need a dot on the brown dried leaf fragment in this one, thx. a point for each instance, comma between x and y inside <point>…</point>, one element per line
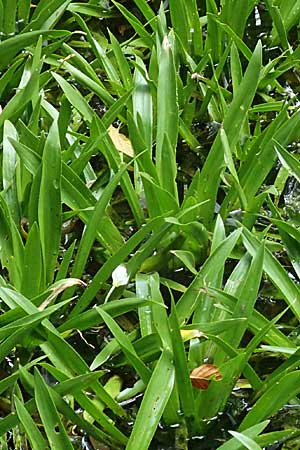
<point>201,376</point>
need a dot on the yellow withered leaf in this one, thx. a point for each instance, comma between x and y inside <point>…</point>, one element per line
<point>187,335</point>
<point>121,142</point>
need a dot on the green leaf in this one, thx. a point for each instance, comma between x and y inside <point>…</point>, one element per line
<point>49,213</point>
<point>136,25</point>
<point>33,280</point>
<point>153,404</point>
<point>142,104</point>
<point>90,232</point>
<point>47,14</point>
<point>187,303</point>
<point>167,119</point>
<point>273,399</point>
<point>287,160</point>
<point>233,121</point>
<point>182,372</point>
<point>9,171</point>
<point>34,435</point>
<point>276,272</point>
<point>246,440</point>
<point>126,346</point>
<point>75,98</point>
<point>10,47</point>
<point>54,428</point>
<point>252,432</point>
<point>247,293</point>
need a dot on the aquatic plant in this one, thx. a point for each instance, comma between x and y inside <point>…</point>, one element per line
<point>148,211</point>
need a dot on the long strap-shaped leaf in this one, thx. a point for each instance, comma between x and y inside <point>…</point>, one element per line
<point>232,124</point>
<point>188,301</point>
<point>273,399</point>
<point>49,209</point>
<point>154,402</point>
<point>54,428</point>
<point>35,436</point>
<point>276,272</point>
<point>167,119</point>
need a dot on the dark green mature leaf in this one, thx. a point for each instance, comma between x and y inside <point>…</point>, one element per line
<point>153,404</point>
<point>252,432</point>
<point>187,303</point>
<point>182,372</point>
<point>273,399</point>
<point>167,119</point>
<point>106,270</point>
<point>233,121</point>
<point>11,246</point>
<point>36,438</point>
<point>235,14</point>
<point>136,25</point>
<point>256,322</point>
<point>54,428</point>
<point>261,156</point>
<point>174,70</point>
<point>47,13</point>
<point>276,272</point>
<point>10,47</point>
<point>33,274</point>
<point>90,232</point>
<point>90,10</point>
<point>76,195</point>
<point>246,441</point>
<point>75,98</point>
<point>126,346</point>
<point>9,175</point>
<point>91,317</point>
<point>28,322</point>
<point>49,213</point>
<point>287,160</point>
<point>247,293</point>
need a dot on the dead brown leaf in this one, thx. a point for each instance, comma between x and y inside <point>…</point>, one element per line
<point>201,376</point>
<point>58,288</point>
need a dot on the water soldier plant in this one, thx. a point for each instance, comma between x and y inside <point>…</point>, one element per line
<point>149,224</point>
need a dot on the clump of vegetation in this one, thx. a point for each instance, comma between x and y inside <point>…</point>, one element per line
<point>149,224</point>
